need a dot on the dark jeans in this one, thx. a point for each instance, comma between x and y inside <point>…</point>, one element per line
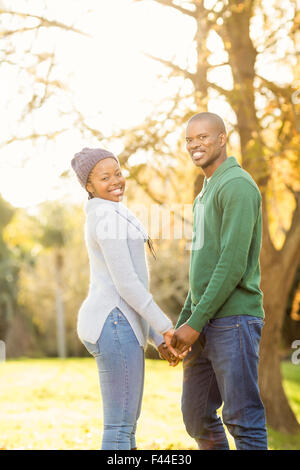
<point>222,368</point>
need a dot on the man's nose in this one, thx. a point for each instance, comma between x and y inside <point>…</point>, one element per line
<point>195,144</point>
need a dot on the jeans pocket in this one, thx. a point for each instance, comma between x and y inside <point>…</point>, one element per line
<point>93,348</point>
<point>255,329</point>
<point>224,323</point>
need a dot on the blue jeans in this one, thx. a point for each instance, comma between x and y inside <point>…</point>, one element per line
<point>222,368</point>
<point>120,362</point>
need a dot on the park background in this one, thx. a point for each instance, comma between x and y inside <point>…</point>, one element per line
<point>127,75</point>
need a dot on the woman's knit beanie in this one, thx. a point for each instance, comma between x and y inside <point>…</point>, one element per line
<point>84,161</point>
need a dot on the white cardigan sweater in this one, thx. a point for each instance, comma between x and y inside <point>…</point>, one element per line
<point>118,274</point>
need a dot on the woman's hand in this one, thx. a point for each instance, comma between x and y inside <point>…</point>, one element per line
<point>164,353</point>
<point>168,337</point>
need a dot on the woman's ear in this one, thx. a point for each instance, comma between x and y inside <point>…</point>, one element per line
<point>89,188</point>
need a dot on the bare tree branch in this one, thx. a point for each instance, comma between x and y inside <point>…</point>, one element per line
<point>81,123</point>
<point>174,67</point>
<point>192,76</point>
<point>5,34</point>
<point>218,65</point>
<point>285,91</point>
<point>47,82</point>
<point>222,91</point>
<point>44,22</point>
<point>169,3</point>
<point>135,176</point>
<point>33,136</point>
<point>291,248</point>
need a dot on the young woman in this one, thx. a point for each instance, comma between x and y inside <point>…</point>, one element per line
<point>118,315</point>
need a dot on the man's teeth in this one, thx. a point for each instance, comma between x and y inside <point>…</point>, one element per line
<point>197,154</point>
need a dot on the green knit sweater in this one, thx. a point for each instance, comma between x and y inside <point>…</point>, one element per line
<point>224,265</point>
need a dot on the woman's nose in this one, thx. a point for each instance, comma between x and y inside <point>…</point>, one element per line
<point>117,180</point>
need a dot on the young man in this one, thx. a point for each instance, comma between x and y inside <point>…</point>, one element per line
<point>223,314</point>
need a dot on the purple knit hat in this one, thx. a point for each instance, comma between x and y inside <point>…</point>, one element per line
<point>84,161</point>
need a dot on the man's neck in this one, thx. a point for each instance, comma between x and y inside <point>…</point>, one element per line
<point>208,171</point>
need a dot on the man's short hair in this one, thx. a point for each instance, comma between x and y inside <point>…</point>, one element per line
<point>216,120</point>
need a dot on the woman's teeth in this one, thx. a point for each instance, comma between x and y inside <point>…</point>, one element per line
<point>117,191</point>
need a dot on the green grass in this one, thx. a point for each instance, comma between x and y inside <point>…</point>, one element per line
<point>55,404</point>
<point>291,384</point>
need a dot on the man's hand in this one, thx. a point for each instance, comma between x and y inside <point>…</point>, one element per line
<point>164,353</point>
<point>167,337</point>
<point>183,338</point>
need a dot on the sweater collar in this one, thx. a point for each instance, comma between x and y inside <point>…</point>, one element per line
<point>230,162</point>
<point>93,203</point>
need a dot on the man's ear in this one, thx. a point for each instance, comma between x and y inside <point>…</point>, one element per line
<point>223,139</point>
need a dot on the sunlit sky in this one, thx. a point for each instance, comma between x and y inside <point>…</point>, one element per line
<point>110,80</point>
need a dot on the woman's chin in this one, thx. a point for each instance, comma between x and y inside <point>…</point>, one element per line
<point>115,198</point>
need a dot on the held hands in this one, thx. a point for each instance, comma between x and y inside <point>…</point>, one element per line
<point>164,353</point>
<point>167,351</point>
<point>183,338</point>
<point>168,338</point>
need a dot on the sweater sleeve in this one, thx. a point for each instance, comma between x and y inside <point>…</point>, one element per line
<point>155,338</point>
<point>185,312</point>
<point>111,235</point>
<point>239,202</point>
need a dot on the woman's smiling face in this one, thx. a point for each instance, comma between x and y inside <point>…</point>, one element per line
<point>106,180</point>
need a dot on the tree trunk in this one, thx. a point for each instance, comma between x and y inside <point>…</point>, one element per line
<point>6,310</point>
<point>279,413</point>
<point>276,283</point>
<point>60,323</point>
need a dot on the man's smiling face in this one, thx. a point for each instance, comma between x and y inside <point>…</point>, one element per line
<point>204,142</point>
